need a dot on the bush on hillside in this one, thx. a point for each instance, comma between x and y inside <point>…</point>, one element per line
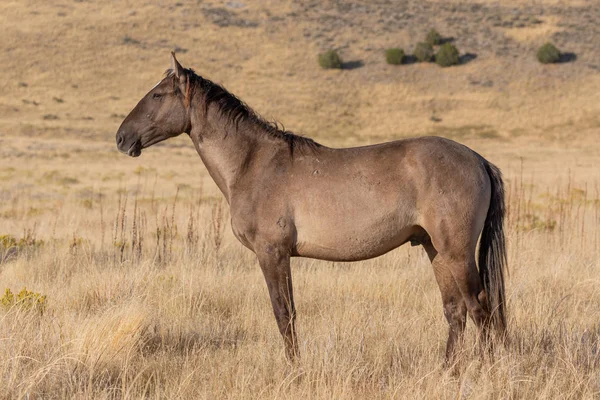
<point>447,55</point>
<point>548,54</point>
<point>330,60</point>
<point>424,52</point>
<point>394,56</point>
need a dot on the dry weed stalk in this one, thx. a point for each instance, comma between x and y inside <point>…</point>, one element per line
<point>138,230</point>
<point>166,232</point>
<point>119,241</point>
<point>217,225</point>
<point>192,237</point>
<point>102,223</point>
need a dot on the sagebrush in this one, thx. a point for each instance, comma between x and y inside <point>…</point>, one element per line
<point>423,52</point>
<point>548,54</point>
<point>330,60</point>
<point>447,55</point>
<point>394,56</point>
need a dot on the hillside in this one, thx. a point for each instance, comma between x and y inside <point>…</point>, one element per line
<point>75,68</point>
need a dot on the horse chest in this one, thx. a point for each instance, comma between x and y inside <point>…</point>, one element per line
<point>243,229</point>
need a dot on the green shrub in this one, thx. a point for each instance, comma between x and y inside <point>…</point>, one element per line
<point>394,56</point>
<point>447,55</point>
<point>28,241</point>
<point>11,247</point>
<point>330,60</point>
<point>8,241</point>
<point>424,52</point>
<point>433,38</point>
<point>25,300</point>
<point>548,54</point>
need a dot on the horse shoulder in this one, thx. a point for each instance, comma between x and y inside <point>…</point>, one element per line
<point>260,214</point>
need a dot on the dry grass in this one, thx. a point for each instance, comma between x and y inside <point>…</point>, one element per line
<point>149,295</point>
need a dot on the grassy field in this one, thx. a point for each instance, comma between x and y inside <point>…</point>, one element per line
<point>147,293</point>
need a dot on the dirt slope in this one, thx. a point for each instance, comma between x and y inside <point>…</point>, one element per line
<point>75,68</point>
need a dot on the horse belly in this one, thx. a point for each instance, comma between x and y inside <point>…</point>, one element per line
<point>351,237</point>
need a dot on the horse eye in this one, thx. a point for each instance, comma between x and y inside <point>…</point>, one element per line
<point>156,96</point>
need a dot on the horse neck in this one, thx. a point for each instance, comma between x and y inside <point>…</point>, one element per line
<point>229,149</point>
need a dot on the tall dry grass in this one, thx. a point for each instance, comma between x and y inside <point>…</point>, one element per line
<point>149,297</point>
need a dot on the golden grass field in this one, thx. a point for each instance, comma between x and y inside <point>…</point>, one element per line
<point>147,293</point>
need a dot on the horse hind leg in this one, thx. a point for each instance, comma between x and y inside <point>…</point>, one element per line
<point>455,308</point>
<point>466,277</point>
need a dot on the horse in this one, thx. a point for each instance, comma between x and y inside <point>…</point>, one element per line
<point>290,196</point>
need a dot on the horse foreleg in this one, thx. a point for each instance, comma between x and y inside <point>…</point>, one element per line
<point>275,265</point>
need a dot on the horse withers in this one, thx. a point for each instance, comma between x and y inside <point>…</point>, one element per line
<point>292,197</point>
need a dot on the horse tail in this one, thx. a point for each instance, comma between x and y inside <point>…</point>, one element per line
<point>492,250</point>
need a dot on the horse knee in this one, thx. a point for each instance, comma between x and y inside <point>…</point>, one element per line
<point>479,312</point>
<point>283,309</point>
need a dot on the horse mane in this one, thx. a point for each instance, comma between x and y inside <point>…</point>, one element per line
<point>230,106</point>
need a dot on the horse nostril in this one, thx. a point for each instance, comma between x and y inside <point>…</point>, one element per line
<point>119,139</point>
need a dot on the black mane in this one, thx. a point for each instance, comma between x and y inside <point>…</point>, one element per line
<point>237,111</point>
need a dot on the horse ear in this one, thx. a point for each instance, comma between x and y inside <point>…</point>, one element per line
<point>175,66</point>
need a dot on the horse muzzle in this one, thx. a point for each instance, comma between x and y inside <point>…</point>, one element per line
<point>130,146</point>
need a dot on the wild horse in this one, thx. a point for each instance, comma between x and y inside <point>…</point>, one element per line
<point>292,197</point>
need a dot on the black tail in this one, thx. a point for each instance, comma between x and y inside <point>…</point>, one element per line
<point>492,250</point>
